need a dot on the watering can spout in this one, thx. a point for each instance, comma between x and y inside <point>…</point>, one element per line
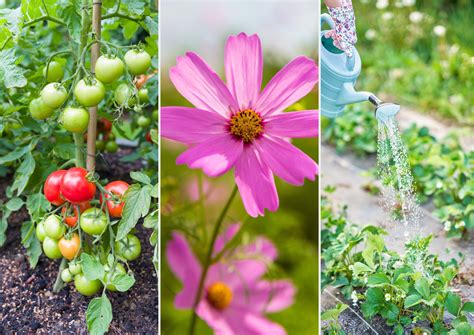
<point>349,95</point>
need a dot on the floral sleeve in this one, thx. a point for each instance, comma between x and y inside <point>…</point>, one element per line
<point>344,33</point>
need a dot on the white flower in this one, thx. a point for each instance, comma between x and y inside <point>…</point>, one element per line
<point>387,297</point>
<point>370,34</point>
<point>459,225</point>
<point>439,31</point>
<point>416,17</point>
<point>354,297</point>
<point>439,184</point>
<point>408,3</point>
<point>351,267</point>
<point>387,16</point>
<point>381,4</point>
<point>447,226</point>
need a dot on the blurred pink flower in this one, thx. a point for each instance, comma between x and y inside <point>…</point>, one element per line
<point>212,192</point>
<point>237,125</point>
<point>235,297</point>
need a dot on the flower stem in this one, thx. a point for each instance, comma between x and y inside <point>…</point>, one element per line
<point>207,261</point>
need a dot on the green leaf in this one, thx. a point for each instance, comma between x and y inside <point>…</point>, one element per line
<point>375,295</point>
<point>412,300</point>
<point>31,243</point>
<point>464,328</point>
<point>69,11</point>
<point>129,29</point>
<point>14,204</point>
<point>152,25</point>
<point>37,205</point>
<point>91,267</point>
<point>378,279</point>
<point>23,173</point>
<point>4,226</point>
<point>333,313</point>
<point>12,75</point>
<point>359,268</point>
<point>453,303</point>
<point>17,153</point>
<point>423,287</point>
<point>123,282</point>
<point>151,221</point>
<point>134,7</point>
<point>140,177</point>
<point>137,204</point>
<point>468,307</point>
<point>99,315</point>
<point>13,19</point>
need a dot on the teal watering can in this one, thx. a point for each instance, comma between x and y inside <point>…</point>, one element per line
<point>339,74</point>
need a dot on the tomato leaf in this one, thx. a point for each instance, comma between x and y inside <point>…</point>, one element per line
<point>14,204</point>
<point>31,243</point>
<point>137,204</point>
<point>91,267</point>
<point>12,75</point>
<point>140,177</point>
<point>99,315</point>
<point>23,173</point>
<point>123,282</point>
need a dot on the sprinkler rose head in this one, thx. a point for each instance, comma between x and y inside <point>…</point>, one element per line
<point>386,111</point>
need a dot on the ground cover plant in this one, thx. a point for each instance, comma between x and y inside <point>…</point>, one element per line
<point>407,290</point>
<point>443,172</point>
<point>78,83</point>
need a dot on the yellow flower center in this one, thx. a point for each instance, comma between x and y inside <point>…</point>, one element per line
<point>219,295</point>
<point>246,125</point>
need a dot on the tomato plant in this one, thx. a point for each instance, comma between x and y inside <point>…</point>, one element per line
<point>56,102</point>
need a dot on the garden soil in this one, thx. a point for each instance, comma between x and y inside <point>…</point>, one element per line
<point>28,305</point>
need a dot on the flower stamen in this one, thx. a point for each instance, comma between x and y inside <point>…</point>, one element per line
<point>219,295</point>
<point>246,125</point>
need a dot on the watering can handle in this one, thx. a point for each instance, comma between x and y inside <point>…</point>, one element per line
<point>326,18</point>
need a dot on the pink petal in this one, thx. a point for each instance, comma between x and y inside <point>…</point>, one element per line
<point>266,296</point>
<point>293,124</point>
<point>287,161</point>
<point>198,83</point>
<point>288,86</point>
<point>262,248</point>
<point>237,273</point>
<point>244,68</point>
<point>190,125</point>
<point>186,267</point>
<point>214,318</point>
<point>214,156</point>
<point>225,238</point>
<point>255,182</point>
<point>243,321</point>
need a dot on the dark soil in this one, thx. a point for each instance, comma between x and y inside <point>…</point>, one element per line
<point>28,305</point>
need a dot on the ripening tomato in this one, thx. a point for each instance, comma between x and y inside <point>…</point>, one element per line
<point>70,214</point>
<point>110,276</point>
<point>53,227</point>
<point>76,188</point>
<point>52,187</point>
<point>118,189</point>
<point>89,93</point>
<point>129,247</point>
<point>55,72</point>
<point>75,120</point>
<point>148,137</point>
<point>54,95</point>
<point>40,233</point>
<point>70,246</point>
<point>137,61</point>
<point>104,125</point>
<point>123,95</point>
<point>51,249</point>
<point>108,68</point>
<point>93,221</point>
<point>39,110</point>
<point>85,286</point>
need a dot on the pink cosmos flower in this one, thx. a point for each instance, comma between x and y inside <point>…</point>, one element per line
<point>235,297</point>
<point>236,125</point>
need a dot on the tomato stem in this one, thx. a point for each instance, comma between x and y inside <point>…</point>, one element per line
<point>59,284</point>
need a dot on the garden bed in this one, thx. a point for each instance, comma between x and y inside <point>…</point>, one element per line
<point>27,303</point>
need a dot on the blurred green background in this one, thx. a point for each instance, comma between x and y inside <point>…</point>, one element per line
<point>294,227</point>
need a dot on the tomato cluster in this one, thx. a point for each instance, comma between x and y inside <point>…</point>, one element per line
<point>60,235</point>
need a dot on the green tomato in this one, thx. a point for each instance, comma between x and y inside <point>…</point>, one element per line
<point>53,95</point>
<point>85,286</point>
<point>143,95</point>
<point>154,115</point>
<point>123,95</point>
<point>144,121</point>
<point>111,147</point>
<point>75,268</point>
<point>129,247</point>
<point>108,69</point>
<point>75,120</point>
<point>53,227</point>
<point>111,137</point>
<point>51,248</point>
<point>119,269</point>
<point>39,110</point>
<point>66,276</point>
<point>100,145</point>
<point>93,221</point>
<point>55,72</point>
<point>89,94</point>
<point>137,62</point>
<point>40,233</point>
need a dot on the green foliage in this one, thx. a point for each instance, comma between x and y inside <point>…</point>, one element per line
<point>332,315</point>
<point>402,289</point>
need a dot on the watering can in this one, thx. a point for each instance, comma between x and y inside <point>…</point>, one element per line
<point>339,74</point>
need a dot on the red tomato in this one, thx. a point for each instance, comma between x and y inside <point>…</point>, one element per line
<point>71,219</point>
<point>75,187</point>
<point>69,247</point>
<point>52,187</point>
<point>117,188</point>
<point>104,125</point>
<point>148,137</point>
